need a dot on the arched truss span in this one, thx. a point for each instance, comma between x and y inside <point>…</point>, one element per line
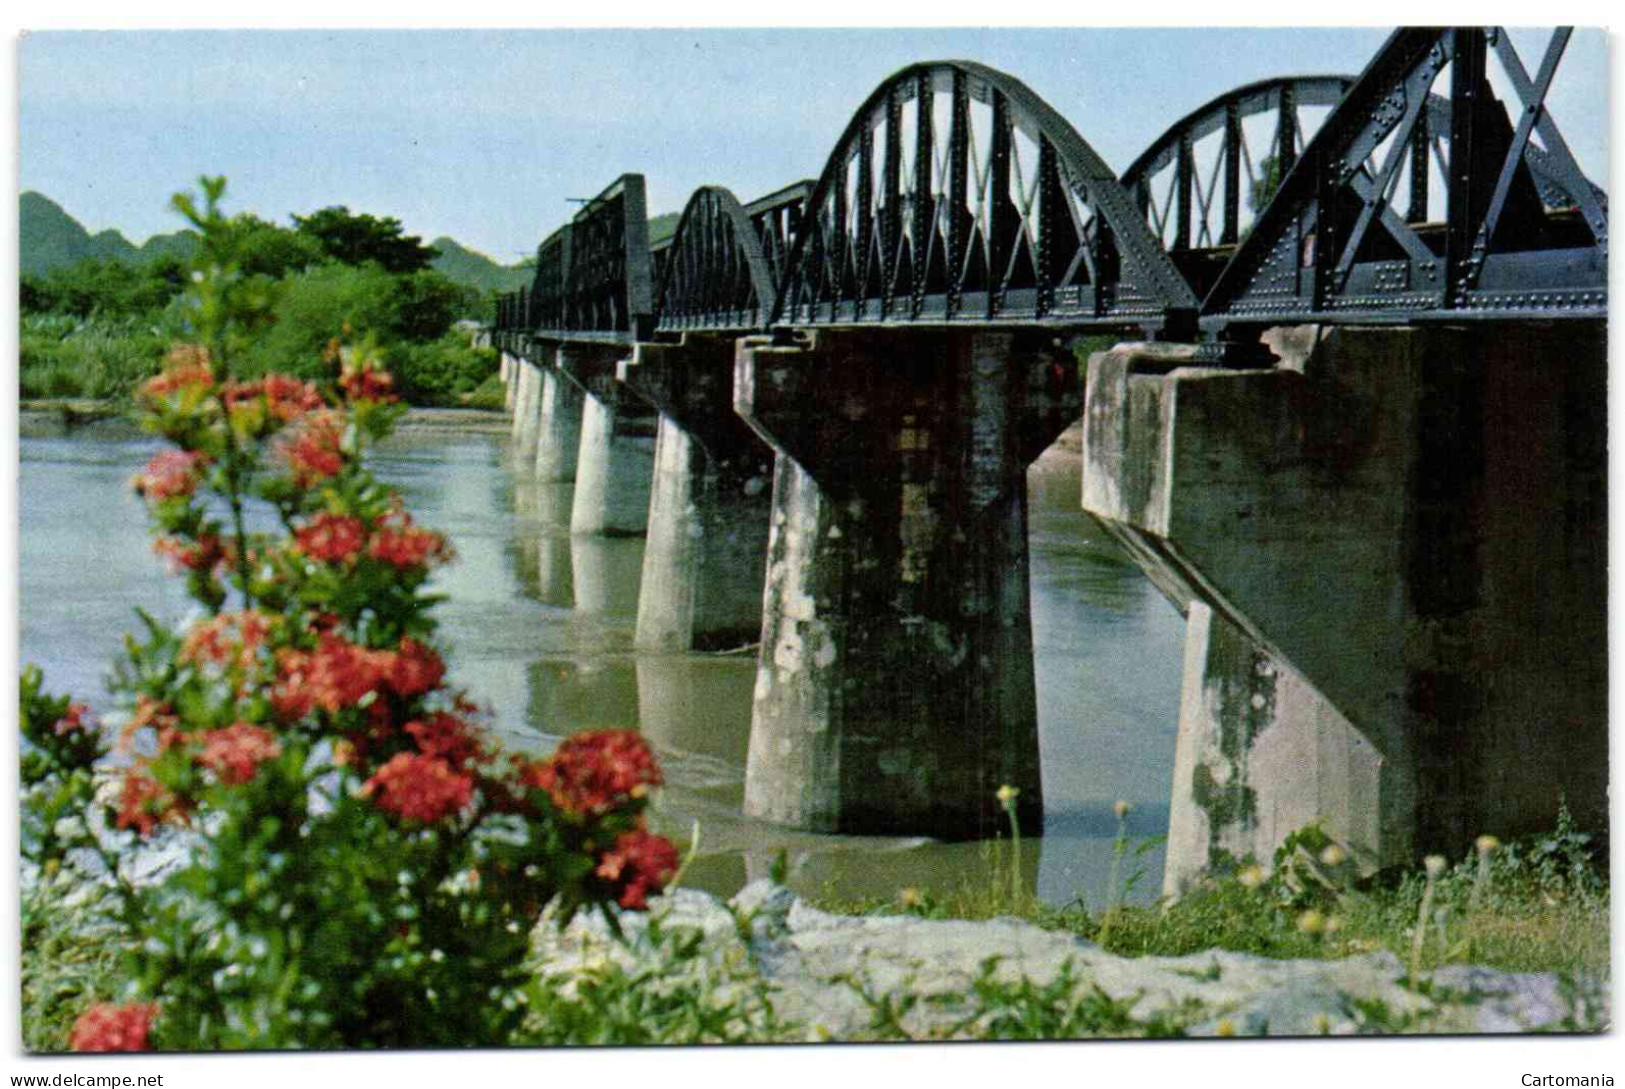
<point>957,194</point>
<point>1193,200</point>
<point>722,267</point>
<point>1185,209</point>
<point>1512,230</point>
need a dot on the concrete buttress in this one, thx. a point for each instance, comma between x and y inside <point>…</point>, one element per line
<point>1392,560</point>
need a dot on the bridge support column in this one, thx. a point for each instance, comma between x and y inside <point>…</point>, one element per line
<point>527,386</point>
<point>615,456</point>
<point>508,373</point>
<point>558,438</point>
<point>895,689</point>
<point>1392,561</point>
<point>706,550</point>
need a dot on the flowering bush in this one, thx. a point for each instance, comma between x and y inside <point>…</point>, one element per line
<point>362,866</point>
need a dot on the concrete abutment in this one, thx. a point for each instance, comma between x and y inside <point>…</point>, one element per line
<point>1392,559</point>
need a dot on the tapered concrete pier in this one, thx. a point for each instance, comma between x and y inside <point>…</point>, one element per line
<point>895,688</point>
<point>711,498</point>
<point>558,423</point>
<point>615,458</point>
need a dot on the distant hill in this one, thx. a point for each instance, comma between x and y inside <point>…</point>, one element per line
<point>48,238</point>
<point>471,267</point>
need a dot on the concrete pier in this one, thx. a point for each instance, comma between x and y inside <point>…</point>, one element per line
<point>895,687</point>
<point>710,502</point>
<point>527,388</point>
<point>1392,559</point>
<point>615,459</point>
<point>558,435</point>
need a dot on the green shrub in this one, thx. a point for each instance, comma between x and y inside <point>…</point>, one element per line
<point>441,370</point>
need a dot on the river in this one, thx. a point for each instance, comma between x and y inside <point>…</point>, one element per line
<point>540,623</point>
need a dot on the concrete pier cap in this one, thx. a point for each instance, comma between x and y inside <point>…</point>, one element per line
<point>1391,553</point>
<point>895,689</point>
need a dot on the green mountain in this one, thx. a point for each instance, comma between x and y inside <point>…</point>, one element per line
<point>48,238</point>
<point>465,266</point>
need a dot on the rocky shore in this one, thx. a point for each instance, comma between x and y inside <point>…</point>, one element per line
<point>828,974</point>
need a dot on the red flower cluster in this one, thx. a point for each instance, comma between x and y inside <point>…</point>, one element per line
<point>285,398</point>
<point>150,713</point>
<point>207,553</point>
<point>315,452</point>
<point>399,543</point>
<point>170,473</point>
<point>447,737</point>
<point>638,864</point>
<point>338,673</point>
<point>331,538</point>
<point>418,787</point>
<point>593,772</point>
<point>230,639</point>
<point>144,803</point>
<point>73,720</point>
<point>235,753</point>
<point>186,369</point>
<point>363,380</point>
<point>106,1027</point>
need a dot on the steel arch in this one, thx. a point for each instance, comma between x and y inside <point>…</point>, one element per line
<point>1224,113</point>
<point>883,245</point>
<point>721,269</point>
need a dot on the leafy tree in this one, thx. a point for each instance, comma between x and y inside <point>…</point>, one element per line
<point>355,239</point>
<point>266,249</point>
<point>1269,180</point>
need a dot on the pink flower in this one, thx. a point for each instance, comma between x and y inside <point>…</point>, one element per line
<point>315,452</point>
<point>235,753</point>
<point>331,538</point>
<point>170,473</point>
<point>72,721</point>
<point>107,1027</point>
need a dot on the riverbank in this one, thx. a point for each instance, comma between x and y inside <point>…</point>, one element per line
<point>767,966</point>
<point>88,418</point>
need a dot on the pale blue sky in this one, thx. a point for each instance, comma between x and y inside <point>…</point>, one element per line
<point>483,134</point>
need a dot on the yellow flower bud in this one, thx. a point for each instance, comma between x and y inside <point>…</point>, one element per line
<point>1486,844</point>
<point>1434,864</point>
<point>1311,922</point>
<point>1333,855</point>
<point>1251,877</point>
<point>1007,795</point>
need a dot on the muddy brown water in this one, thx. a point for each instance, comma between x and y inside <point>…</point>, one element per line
<point>540,627</point>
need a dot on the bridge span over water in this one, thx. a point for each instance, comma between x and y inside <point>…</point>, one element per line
<point>1353,426</point>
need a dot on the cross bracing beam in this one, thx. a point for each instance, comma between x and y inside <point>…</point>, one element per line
<point>1523,234</point>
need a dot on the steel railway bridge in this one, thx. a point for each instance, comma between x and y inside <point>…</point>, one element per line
<point>1353,426</point>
